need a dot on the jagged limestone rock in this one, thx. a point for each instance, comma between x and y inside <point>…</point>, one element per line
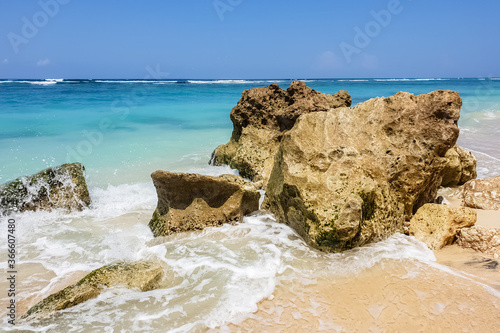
<point>261,117</point>
<point>189,201</point>
<point>350,176</point>
<point>437,225</point>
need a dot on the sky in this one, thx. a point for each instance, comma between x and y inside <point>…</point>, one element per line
<point>249,39</point>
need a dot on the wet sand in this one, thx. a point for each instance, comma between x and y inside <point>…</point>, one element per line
<point>32,285</point>
<point>404,296</point>
<point>462,295</point>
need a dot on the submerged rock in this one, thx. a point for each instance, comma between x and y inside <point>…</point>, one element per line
<point>482,193</point>
<point>481,239</point>
<point>189,201</point>
<point>437,225</point>
<point>259,120</point>
<point>142,275</point>
<point>62,186</point>
<point>460,168</point>
<point>350,176</point>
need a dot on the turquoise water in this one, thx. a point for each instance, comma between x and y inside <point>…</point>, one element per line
<point>123,130</point>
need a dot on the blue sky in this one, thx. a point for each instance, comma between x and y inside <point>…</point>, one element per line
<point>248,38</point>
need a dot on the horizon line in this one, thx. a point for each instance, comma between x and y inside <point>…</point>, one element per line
<point>256,79</point>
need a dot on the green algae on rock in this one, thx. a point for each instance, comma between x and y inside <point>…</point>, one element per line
<point>142,275</point>
<point>62,186</point>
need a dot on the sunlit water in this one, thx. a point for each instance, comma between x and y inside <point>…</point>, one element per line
<point>255,274</point>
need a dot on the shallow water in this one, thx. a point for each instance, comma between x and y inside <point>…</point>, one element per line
<point>257,275</point>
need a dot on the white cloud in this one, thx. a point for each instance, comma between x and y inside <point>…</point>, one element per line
<point>43,62</point>
<point>5,61</point>
<point>329,60</point>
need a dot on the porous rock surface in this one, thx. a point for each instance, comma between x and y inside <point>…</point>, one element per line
<point>348,176</point>
<point>437,225</point>
<point>261,117</point>
<point>460,168</point>
<point>482,193</point>
<point>481,239</point>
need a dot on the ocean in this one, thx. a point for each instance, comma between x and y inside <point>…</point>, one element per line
<point>232,278</point>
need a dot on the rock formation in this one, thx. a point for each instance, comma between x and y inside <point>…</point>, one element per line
<point>481,239</point>
<point>350,176</point>
<point>261,117</point>
<point>461,167</point>
<point>482,193</point>
<point>437,225</point>
<point>63,187</point>
<point>142,275</point>
<point>192,202</point>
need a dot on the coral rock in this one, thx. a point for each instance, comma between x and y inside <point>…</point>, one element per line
<point>189,202</point>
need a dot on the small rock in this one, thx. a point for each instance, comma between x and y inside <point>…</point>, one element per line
<point>481,239</point>
<point>460,167</point>
<point>482,193</point>
<point>437,225</point>
<point>439,200</point>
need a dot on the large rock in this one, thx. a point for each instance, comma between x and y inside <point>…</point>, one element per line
<point>481,239</point>
<point>350,176</point>
<point>482,193</point>
<point>437,225</point>
<point>142,275</point>
<point>62,186</point>
<point>192,202</point>
<point>259,120</point>
<point>460,168</point>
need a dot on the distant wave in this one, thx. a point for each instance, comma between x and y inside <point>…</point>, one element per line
<point>46,82</point>
<point>233,81</point>
<point>43,83</point>
<point>134,81</point>
<point>405,79</point>
<point>433,79</point>
<point>49,82</point>
<point>391,80</point>
<point>165,82</point>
